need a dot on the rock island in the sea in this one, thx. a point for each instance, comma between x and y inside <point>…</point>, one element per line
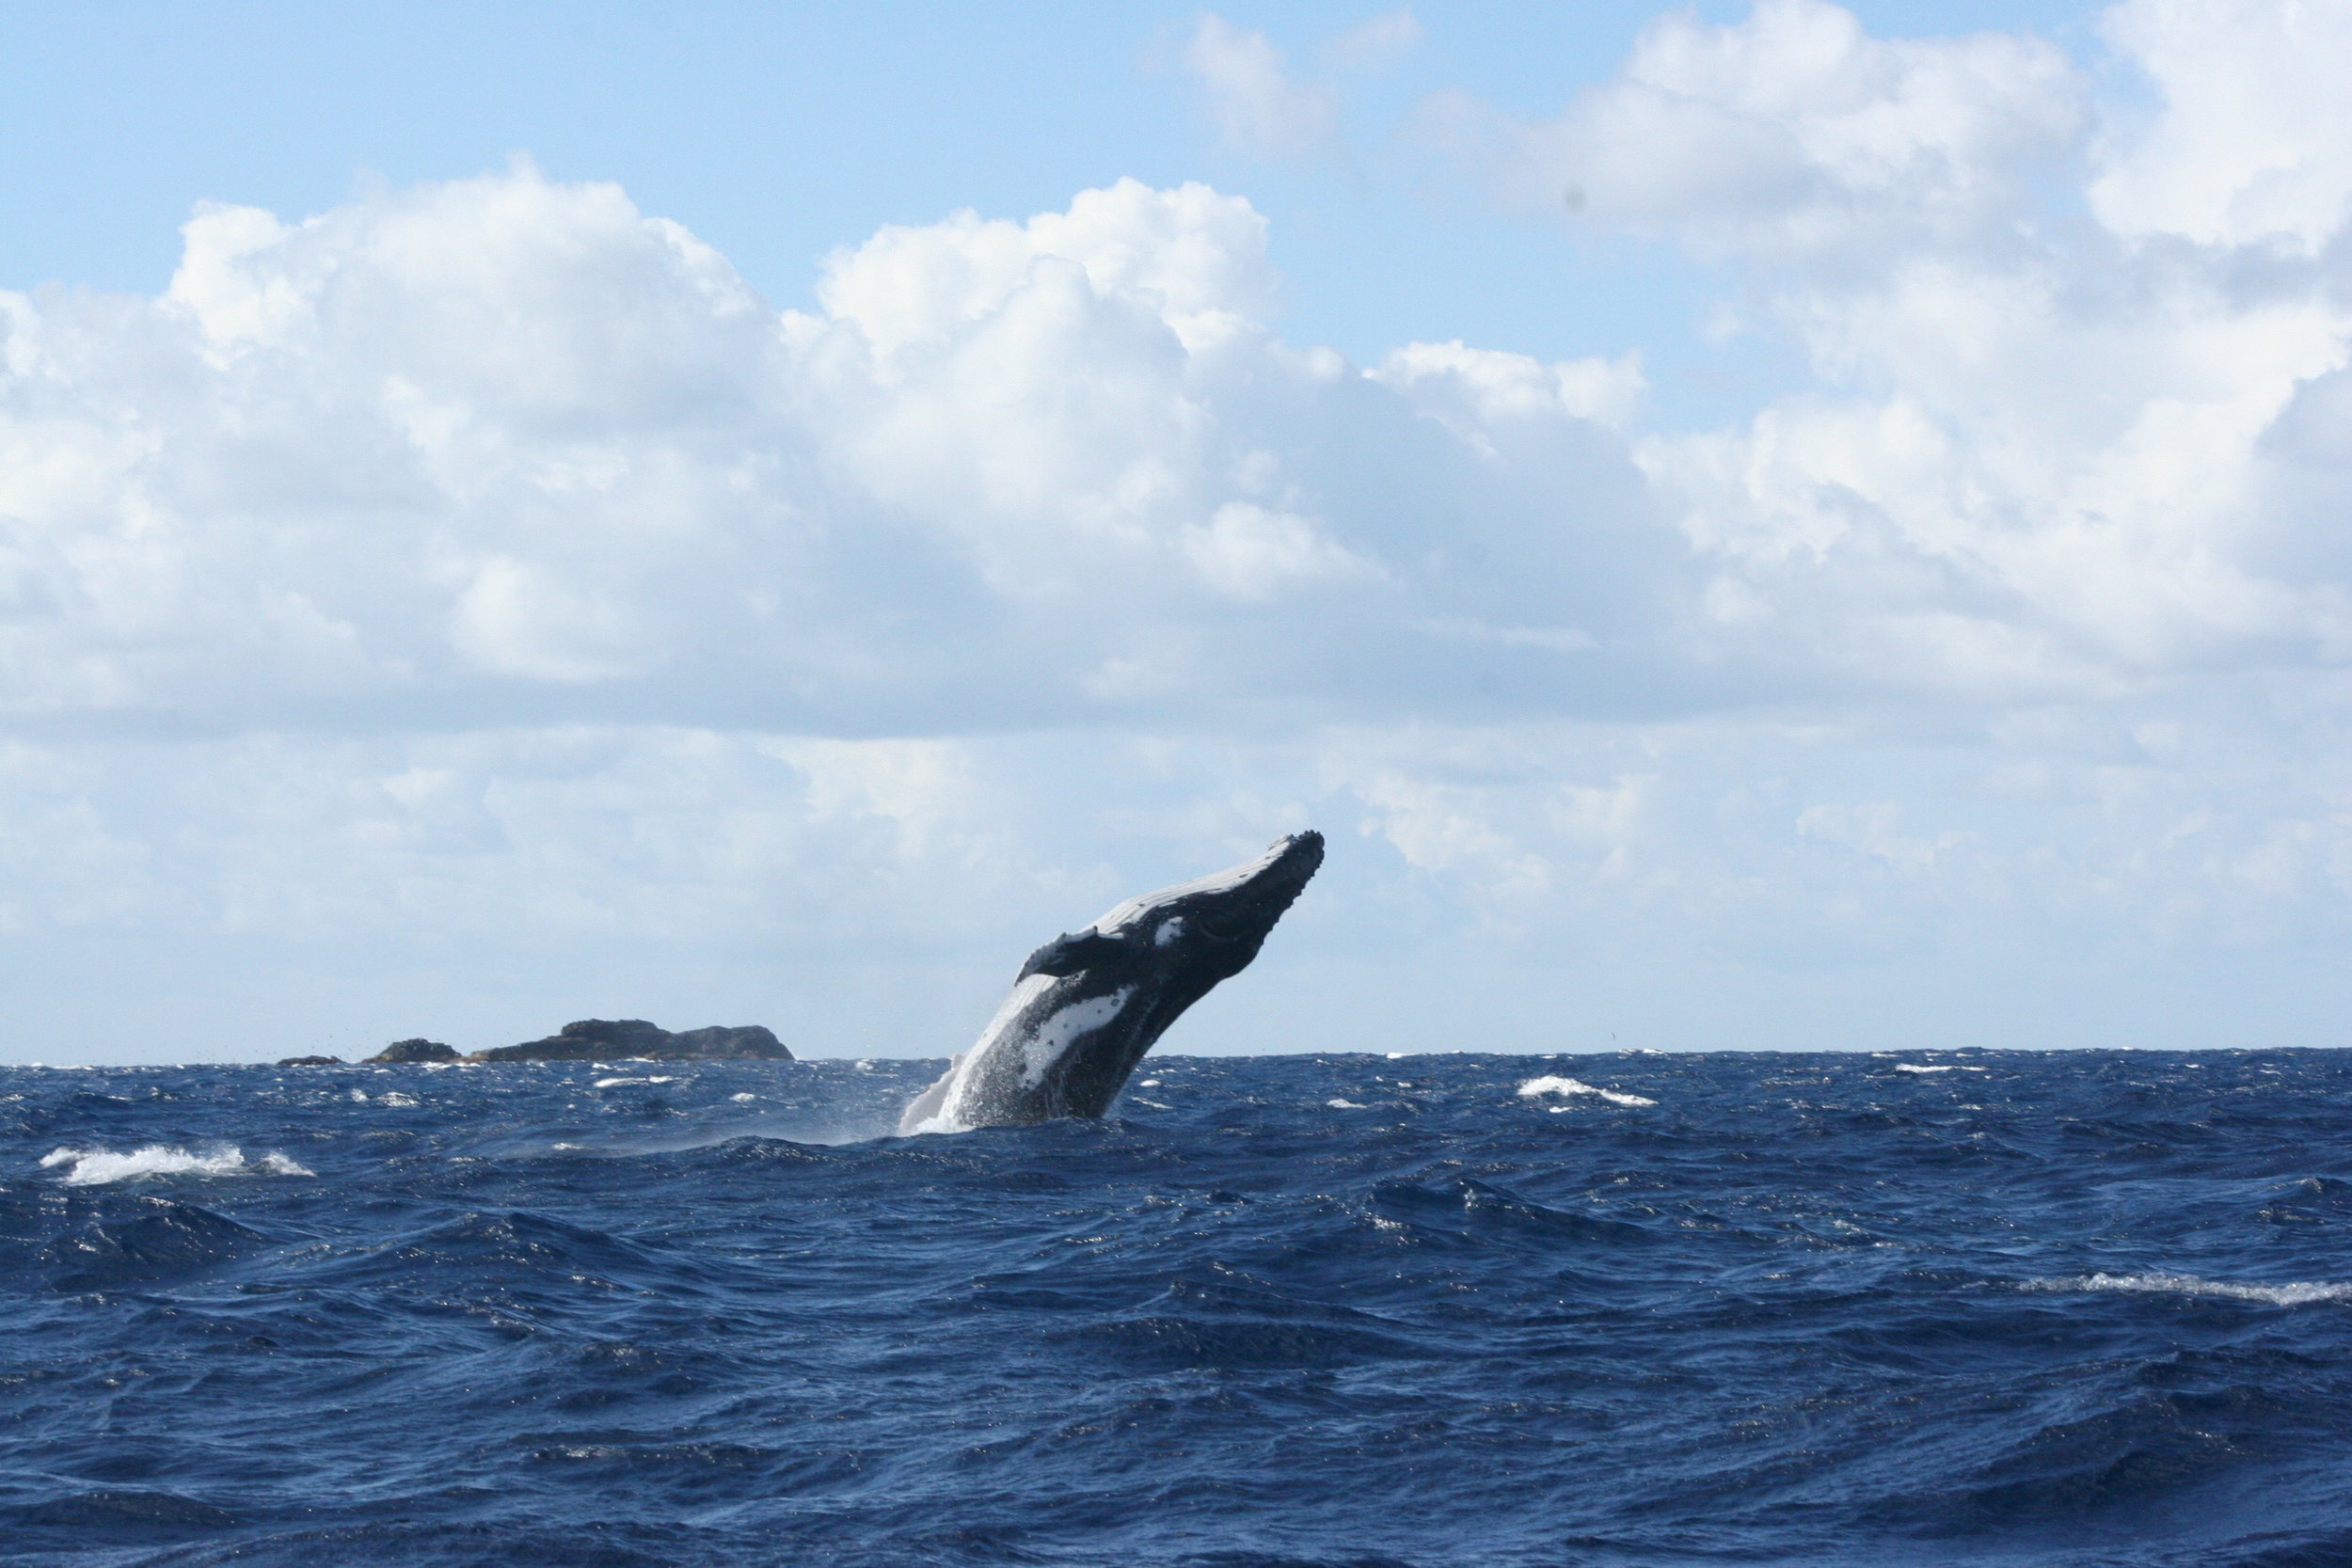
<point>594,1039</point>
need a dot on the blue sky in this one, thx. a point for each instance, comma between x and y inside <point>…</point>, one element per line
<point>1787,526</point>
<point>778,134</point>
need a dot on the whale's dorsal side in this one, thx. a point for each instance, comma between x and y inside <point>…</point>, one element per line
<point>1068,954</point>
<point>1087,1006</point>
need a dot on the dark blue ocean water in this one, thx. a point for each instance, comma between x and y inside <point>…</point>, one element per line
<point>2048,1308</point>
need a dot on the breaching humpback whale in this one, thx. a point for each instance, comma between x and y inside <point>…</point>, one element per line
<point>1088,1005</point>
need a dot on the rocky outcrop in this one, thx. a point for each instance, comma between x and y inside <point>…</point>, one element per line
<point>720,1042</point>
<point>604,1039</point>
<point>311,1061</point>
<point>416,1051</point>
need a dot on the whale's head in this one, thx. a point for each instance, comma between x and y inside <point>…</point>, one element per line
<point>1204,931</point>
<point>1117,985</point>
<point>1088,1005</point>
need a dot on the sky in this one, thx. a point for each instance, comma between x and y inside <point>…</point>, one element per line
<point>1775,526</point>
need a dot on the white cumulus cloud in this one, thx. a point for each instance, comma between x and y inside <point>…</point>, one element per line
<point>1259,107</point>
<point>1794,135</point>
<point>508,447</point>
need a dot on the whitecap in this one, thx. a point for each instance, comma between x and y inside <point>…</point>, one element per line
<point>743,1099</point>
<point>1344,1106</point>
<point>1915,1067</point>
<point>93,1168</point>
<point>2300,1293</point>
<point>1535,1087</point>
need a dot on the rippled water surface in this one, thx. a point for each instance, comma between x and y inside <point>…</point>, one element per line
<point>2064,1309</point>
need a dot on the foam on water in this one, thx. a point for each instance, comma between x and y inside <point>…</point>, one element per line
<point>2302,1293</point>
<point>96,1167</point>
<point>1537,1088</point>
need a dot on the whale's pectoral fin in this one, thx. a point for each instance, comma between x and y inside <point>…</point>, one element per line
<point>930,1103</point>
<point>1067,954</point>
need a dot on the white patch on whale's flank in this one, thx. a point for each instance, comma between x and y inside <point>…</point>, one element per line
<point>1564,1086</point>
<point>946,1098</point>
<point>1023,994</point>
<point>1137,908</point>
<point>1169,930</point>
<point>948,1112</point>
<point>1045,1047</point>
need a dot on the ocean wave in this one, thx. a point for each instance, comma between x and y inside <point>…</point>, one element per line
<point>1537,1088</point>
<point>96,1167</point>
<point>2300,1293</point>
<point>1802,1310</point>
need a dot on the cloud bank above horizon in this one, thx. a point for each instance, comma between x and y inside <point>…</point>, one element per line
<point>476,597</point>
